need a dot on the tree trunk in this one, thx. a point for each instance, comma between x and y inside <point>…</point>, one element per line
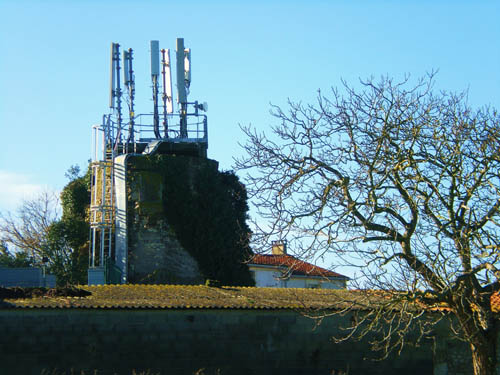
<point>483,348</point>
<point>484,356</point>
<point>479,327</point>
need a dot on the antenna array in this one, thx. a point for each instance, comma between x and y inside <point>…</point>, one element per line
<point>184,132</point>
<point>161,74</point>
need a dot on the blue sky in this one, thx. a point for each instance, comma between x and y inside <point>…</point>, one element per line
<point>54,65</point>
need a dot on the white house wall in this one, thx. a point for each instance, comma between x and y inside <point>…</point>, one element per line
<point>270,278</point>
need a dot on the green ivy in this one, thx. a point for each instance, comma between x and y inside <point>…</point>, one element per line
<point>75,197</point>
<point>207,209</point>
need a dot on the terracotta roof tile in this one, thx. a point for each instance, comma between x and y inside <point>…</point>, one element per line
<point>296,266</point>
<point>495,302</point>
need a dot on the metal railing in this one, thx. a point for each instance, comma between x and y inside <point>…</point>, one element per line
<point>112,138</point>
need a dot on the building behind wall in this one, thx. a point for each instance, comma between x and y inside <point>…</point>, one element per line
<point>26,277</point>
<point>281,270</point>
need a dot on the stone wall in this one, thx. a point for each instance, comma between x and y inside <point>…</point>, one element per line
<point>155,254</point>
<point>185,341</point>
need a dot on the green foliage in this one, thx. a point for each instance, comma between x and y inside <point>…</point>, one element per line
<point>67,253</point>
<point>67,243</point>
<point>75,197</point>
<point>73,172</point>
<point>14,259</point>
<point>207,209</point>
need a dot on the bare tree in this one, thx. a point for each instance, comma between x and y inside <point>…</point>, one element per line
<point>37,230</point>
<point>400,181</point>
<point>28,229</point>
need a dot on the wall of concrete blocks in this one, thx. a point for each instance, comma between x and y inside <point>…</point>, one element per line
<point>185,341</point>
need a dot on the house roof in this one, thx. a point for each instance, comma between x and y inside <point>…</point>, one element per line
<point>495,302</point>
<point>296,266</point>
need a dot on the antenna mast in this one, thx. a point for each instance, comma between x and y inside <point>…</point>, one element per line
<point>129,81</point>
<point>115,91</point>
<point>167,88</point>
<point>181,87</point>
<point>155,72</point>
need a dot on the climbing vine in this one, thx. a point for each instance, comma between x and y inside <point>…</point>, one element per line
<point>207,209</point>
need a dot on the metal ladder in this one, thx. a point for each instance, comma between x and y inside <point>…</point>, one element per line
<point>101,212</point>
<point>102,200</point>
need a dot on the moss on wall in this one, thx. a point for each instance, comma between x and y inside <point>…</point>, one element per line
<point>203,209</point>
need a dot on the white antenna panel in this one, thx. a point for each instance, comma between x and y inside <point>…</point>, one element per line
<point>181,72</point>
<point>126,68</point>
<point>187,66</point>
<point>155,58</point>
<point>112,93</point>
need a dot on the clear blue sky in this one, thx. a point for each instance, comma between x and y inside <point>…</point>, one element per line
<point>54,68</point>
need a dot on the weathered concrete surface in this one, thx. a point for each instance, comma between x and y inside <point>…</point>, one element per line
<point>121,242</point>
<point>450,355</point>
<point>184,341</point>
<point>156,256</point>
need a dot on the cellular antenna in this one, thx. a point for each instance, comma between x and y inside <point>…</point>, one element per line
<point>187,69</point>
<point>168,106</point>
<point>115,90</point>
<point>112,92</point>
<point>181,86</point>
<point>155,72</point>
<point>129,80</point>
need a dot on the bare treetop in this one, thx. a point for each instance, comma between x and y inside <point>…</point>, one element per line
<point>403,180</point>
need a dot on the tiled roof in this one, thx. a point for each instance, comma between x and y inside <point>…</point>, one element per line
<point>296,266</point>
<point>196,297</point>
<point>204,297</point>
<point>495,302</point>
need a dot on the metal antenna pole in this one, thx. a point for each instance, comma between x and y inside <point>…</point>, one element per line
<point>164,96</point>
<point>181,86</point>
<point>155,71</point>
<point>130,83</point>
<point>118,93</point>
<point>156,119</point>
<point>112,92</point>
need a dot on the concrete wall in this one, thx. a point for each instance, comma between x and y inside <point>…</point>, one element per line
<point>26,277</point>
<point>121,237</point>
<point>452,357</point>
<point>184,341</point>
